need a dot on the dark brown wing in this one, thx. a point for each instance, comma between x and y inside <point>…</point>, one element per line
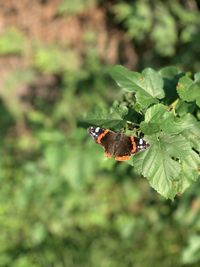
<point>123,148</point>
<point>108,142</point>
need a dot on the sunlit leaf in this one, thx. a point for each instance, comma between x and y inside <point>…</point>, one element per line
<point>161,163</point>
<point>190,170</point>
<point>113,118</point>
<point>191,253</point>
<point>158,118</point>
<point>148,86</point>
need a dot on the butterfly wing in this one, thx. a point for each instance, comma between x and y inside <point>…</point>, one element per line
<point>103,137</point>
<point>124,148</point>
<point>108,142</point>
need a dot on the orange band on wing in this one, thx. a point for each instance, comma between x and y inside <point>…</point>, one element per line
<point>134,144</point>
<point>122,158</point>
<point>108,155</point>
<point>101,136</point>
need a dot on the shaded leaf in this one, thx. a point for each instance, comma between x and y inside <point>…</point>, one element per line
<point>182,108</point>
<point>170,76</point>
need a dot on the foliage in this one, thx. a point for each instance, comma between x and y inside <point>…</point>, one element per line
<point>75,7</point>
<point>61,202</point>
<point>170,28</point>
<point>172,162</point>
<point>55,60</point>
<point>8,46</point>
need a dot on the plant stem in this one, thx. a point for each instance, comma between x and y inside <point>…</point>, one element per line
<point>172,106</point>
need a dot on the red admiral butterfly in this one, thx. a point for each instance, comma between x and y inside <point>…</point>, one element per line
<point>117,144</point>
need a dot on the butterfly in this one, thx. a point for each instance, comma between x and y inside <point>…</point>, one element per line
<point>117,144</point>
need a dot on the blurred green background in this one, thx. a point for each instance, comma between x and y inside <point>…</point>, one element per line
<point>62,204</point>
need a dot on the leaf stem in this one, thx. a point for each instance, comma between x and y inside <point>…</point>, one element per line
<point>172,106</point>
<point>133,123</point>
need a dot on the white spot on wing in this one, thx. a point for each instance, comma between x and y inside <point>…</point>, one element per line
<point>140,141</point>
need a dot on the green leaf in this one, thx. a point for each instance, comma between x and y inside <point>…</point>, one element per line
<point>189,90</point>
<point>190,130</point>
<point>190,170</point>
<point>148,85</point>
<point>152,83</point>
<point>170,76</point>
<point>197,76</point>
<point>176,146</point>
<point>158,118</point>
<point>161,163</point>
<point>182,108</point>
<point>169,72</point>
<point>191,254</point>
<point>113,118</point>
